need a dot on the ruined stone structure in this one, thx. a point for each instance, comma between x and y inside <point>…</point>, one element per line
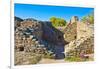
<point>74,48</point>
<point>80,37</point>
<point>70,32</point>
<point>74,19</point>
<point>38,38</point>
<point>28,34</point>
<point>71,29</point>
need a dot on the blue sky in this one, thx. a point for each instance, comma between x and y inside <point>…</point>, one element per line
<point>44,12</point>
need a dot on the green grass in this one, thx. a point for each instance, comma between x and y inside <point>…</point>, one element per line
<point>77,59</point>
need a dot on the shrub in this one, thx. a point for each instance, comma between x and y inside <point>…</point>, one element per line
<point>57,21</point>
<point>49,55</point>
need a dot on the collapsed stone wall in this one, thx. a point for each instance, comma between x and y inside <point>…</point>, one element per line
<point>74,48</point>
<point>33,36</point>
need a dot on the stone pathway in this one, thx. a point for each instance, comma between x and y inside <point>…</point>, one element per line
<point>46,61</point>
<point>59,52</point>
